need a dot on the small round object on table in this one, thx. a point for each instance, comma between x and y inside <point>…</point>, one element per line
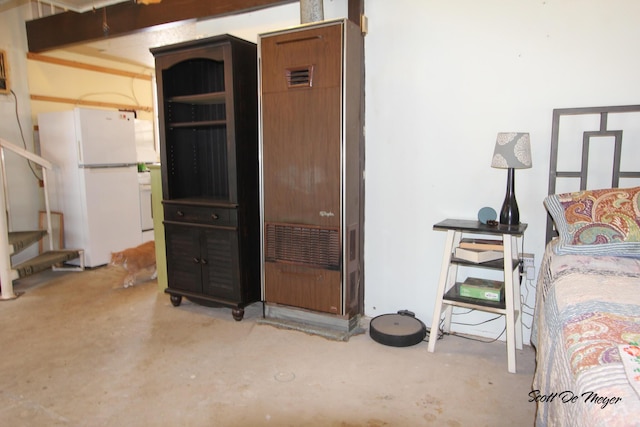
<point>487,214</point>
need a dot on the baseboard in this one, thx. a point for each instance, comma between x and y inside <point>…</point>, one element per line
<point>325,325</point>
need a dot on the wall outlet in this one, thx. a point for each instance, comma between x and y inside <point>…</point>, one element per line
<point>528,267</point>
<point>527,260</point>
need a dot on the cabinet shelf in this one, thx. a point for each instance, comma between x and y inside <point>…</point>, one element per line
<point>199,124</point>
<point>453,297</point>
<point>200,98</point>
<point>497,264</point>
<point>201,201</point>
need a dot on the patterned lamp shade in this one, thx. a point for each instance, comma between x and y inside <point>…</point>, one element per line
<point>513,150</point>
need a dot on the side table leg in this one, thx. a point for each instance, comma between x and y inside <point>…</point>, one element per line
<point>509,304</point>
<point>442,288</point>
<point>517,302</point>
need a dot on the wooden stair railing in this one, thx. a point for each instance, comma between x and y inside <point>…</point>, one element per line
<point>10,240</point>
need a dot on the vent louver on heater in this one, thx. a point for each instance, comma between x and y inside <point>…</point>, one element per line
<point>299,77</point>
<point>304,245</point>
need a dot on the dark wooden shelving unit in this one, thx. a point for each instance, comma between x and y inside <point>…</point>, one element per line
<point>208,118</point>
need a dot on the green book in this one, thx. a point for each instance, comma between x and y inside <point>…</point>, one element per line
<point>484,289</point>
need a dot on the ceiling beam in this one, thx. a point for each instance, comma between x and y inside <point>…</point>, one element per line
<point>71,28</point>
<point>120,19</point>
<point>356,10</point>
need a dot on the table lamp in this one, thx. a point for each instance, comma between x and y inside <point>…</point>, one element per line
<point>513,151</point>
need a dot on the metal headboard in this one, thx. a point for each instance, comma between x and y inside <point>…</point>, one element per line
<point>603,131</point>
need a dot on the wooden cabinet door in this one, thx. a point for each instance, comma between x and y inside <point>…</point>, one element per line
<point>220,265</point>
<point>184,269</point>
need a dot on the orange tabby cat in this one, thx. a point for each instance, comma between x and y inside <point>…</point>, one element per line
<point>134,260</point>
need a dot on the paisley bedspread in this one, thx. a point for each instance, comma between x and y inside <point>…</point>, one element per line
<point>587,313</point>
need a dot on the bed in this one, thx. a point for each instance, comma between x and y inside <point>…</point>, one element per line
<point>586,328</point>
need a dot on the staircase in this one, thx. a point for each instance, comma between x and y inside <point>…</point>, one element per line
<point>20,240</point>
<point>14,242</point>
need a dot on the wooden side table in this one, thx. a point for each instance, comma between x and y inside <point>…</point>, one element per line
<point>448,295</point>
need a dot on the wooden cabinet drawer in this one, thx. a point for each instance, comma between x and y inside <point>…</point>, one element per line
<point>201,215</point>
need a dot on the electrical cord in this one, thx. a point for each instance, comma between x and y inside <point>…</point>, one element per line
<point>480,340</point>
<point>528,286</point>
<point>439,336</point>
<point>130,98</point>
<point>24,142</point>
<point>442,333</point>
<point>523,302</point>
<point>476,324</point>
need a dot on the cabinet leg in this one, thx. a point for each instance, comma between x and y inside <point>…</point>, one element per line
<point>176,300</point>
<point>237,313</point>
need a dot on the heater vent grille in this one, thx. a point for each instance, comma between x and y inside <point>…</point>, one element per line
<point>300,76</point>
<point>303,245</point>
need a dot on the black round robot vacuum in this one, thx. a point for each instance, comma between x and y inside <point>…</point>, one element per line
<point>397,330</point>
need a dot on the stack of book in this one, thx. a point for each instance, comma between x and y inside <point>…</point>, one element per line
<point>479,250</point>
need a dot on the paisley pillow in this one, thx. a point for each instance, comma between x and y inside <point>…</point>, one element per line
<point>597,222</point>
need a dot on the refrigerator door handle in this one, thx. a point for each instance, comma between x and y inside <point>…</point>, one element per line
<point>80,153</point>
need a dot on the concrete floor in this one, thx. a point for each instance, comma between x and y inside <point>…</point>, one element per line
<point>80,350</point>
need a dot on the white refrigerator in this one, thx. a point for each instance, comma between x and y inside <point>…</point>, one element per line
<point>95,179</point>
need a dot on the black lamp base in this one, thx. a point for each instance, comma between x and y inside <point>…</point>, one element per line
<point>509,214</point>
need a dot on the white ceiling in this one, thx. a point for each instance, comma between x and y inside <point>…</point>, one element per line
<point>134,48</point>
<point>83,5</point>
<point>74,5</point>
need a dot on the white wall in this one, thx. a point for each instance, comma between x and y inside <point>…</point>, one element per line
<point>16,125</point>
<point>442,79</point>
